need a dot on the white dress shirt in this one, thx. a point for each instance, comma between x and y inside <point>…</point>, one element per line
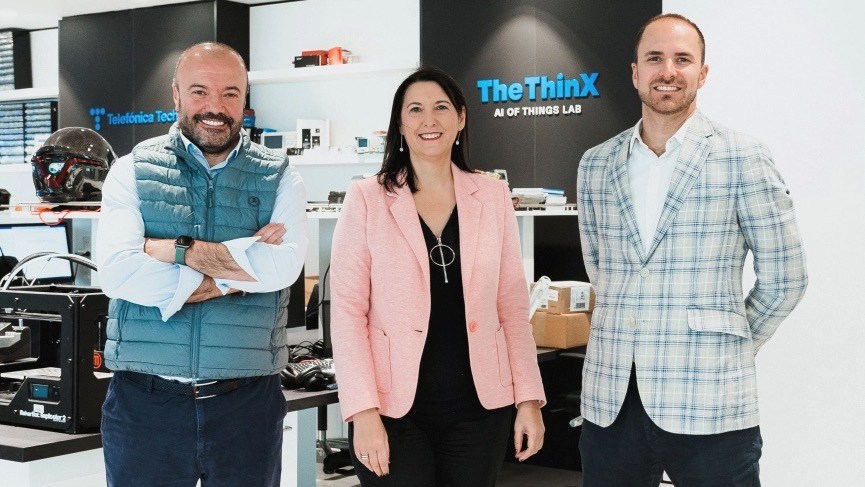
<point>126,272</point>
<point>650,176</point>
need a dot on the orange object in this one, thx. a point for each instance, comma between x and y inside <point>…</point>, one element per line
<point>97,360</point>
<point>335,55</point>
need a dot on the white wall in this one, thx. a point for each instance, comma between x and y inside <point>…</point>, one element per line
<point>790,72</point>
<point>380,32</point>
<point>384,32</point>
<point>16,178</point>
<point>44,57</point>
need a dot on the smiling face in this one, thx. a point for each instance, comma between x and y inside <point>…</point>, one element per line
<point>430,122</point>
<point>669,68</point>
<point>209,95</point>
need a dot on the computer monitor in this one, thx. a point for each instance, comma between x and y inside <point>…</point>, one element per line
<point>21,240</point>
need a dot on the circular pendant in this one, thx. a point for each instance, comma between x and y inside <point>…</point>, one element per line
<point>442,255</point>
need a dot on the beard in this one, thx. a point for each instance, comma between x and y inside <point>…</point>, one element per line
<point>206,140</point>
<point>664,105</point>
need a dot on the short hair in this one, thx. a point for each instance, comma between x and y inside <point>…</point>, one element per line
<point>216,48</point>
<point>671,16</point>
<point>395,162</point>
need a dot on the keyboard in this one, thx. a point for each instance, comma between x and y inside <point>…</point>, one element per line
<point>326,365</point>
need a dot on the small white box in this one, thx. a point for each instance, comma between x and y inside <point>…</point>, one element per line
<point>564,297</point>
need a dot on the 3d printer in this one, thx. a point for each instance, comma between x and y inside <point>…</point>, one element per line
<point>50,336</point>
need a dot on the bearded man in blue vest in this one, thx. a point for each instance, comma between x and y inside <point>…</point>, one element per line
<point>201,233</point>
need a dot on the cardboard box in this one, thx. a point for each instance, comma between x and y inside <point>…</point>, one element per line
<point>308,283</point>
<point>561,330</point>
<point>564,297</point>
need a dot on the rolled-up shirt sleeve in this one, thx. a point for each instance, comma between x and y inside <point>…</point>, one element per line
<point>125,270</point>
<point>274,267</point>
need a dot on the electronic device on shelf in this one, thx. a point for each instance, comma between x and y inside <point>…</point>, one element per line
<point>306,61</point>
<point>313,134</point>
<point>319,54</point>
<point>361,145</point>
<point>21,240</point>
<point>280,141</point>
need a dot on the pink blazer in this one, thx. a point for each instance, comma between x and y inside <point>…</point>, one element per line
<point>380,300</point>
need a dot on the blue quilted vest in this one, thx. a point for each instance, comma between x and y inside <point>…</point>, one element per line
<point>231,336</point>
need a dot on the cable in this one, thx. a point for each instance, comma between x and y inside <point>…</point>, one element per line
<point>6,280</point>
<point>306,350</point>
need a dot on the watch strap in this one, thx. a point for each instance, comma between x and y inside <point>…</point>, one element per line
<point>180,255</point>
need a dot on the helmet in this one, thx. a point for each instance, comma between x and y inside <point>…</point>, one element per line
<point>71,166</point>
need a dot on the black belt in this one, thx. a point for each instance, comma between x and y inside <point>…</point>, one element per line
<point>200,390</point>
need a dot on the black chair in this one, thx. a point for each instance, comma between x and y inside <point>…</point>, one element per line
<point>7,263</point>
<point>336,458</point>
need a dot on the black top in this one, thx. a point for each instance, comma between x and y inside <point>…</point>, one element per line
<point>445,388</point>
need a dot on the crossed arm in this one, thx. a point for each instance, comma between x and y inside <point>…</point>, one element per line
<point>212,259</point>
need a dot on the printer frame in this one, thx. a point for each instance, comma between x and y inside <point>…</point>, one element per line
<point>67,328</point>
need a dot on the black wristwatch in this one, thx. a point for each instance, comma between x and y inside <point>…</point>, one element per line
<point>181,245</point>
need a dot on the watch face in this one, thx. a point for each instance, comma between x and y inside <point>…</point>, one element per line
<point>183,241</point>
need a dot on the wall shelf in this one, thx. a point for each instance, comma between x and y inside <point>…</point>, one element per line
<point>295,162</point>
<point>323,73</point>
<point>25,94</point>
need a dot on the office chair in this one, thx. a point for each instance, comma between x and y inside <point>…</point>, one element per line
<point>336,458</point>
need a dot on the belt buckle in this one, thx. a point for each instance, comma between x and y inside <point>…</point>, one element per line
<point>195,387</point>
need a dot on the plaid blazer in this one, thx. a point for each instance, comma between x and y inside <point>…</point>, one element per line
<point>677,311</point>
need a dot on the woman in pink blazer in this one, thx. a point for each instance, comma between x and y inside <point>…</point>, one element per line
<point>430,325</point>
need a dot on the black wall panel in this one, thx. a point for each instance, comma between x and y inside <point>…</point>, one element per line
<point>96,56</point>
<point>161,34</point>
<point>232,26</point>
<point>510,40</point>
<point>22,59</point>
<point>119,63</point>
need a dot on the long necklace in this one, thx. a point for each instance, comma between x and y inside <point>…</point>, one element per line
<point>441,255</point>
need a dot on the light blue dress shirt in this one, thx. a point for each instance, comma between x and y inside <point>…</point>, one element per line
<point>649,177</point>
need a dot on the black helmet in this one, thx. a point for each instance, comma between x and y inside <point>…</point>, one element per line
<point>71,166</point>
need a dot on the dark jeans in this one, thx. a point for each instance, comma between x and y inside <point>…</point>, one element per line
<point>440,453</point>
<point>633,452</point>
<point>154,439</point>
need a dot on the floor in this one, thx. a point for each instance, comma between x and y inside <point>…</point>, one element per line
<point>512,475</point>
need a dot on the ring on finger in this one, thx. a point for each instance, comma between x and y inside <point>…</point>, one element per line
<point>364,457</point>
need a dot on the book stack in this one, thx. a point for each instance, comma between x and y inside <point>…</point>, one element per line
<point>540,196</point>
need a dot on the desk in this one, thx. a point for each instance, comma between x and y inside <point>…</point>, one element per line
<point>546,354</point>
<point>37,458</point>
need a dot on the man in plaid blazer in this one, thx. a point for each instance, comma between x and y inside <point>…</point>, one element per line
<point>668,211</point>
